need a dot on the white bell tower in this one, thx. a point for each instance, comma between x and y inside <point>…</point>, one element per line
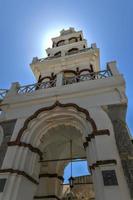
<point>73,100</point>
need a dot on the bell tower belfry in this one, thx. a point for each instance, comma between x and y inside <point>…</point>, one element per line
<point>69,52</point>
<point>72,100</point>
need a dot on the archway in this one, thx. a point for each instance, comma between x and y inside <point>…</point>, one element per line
<point>56,156</point>
<point>39,140</point>
<point>83,187</point>
<point>50,132</point>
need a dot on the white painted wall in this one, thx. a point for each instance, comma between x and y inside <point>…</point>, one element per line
<point>93,96</point>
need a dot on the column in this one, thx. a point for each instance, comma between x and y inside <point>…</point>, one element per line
<point>108,177</point>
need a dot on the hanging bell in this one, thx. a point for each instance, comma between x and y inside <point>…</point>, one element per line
<point>71,182</point>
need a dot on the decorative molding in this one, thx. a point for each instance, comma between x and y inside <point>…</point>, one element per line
<point>29,146</point>
<point>101,132</point>
<point>46,197</point>
<point>56,104</point>
<point>19,172</point>
<point>102,162</point>
<point>70,71</point>
<point>51,176</point>
<point>94,134</point>
<point>52,77</point>
<point>78,71</point>
<point>97,133</point>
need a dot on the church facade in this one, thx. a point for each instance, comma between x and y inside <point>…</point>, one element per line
<point>73,100</point>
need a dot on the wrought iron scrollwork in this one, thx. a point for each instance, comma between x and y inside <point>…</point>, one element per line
<point>45,84</point>
<point>33,87</point>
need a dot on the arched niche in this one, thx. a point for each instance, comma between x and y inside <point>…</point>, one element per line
<point>60,43</point>
<point>72,40</point>
<point>55,145</point>
<point>72,51</point>
<point>48,131</point>
<point>47,120</point>
<point>36,130</point>
<point>58,54</point>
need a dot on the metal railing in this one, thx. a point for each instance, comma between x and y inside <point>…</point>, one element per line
<point>52,83</point>
<point>3,93</point>
<point>85,77</point>
<point>87,179</point>
<point>33,87</point>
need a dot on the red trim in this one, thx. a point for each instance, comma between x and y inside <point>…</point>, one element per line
<point>78,72</point>
<point>52,77</point>
<point>76,39</point>
<point>57,44</point>
<point>29,146</point>
<point>94,134</point>
<point>56,104</point>
<point>18,172</point>
<point>51,176</point>
<point>103,162</point>
<point>46,197</point>
<point>69,71</point>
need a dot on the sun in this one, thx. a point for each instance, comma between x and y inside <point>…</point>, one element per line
<point>47,41</point>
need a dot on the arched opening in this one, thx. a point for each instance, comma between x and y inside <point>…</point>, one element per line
<point>46,81</point>
<point>69,77</point>
<point>56,129</point>
<point>87,74</point>
<point>60,43</point>
<point>49,131</point>
<point>72,40</point>
<point>72,51</point>
<point>56,156</point>
<point>81,38</point>
<point>58,54</point>
<point>79,168</point>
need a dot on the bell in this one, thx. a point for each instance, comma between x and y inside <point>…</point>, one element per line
<point>71,182</point>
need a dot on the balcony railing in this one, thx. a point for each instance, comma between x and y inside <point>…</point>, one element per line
<point>57,82</point>
<point>87,179</point>
<point>87,77</point>
<point>3,93</point>
<point>33,87</point>
<point>75,79</point>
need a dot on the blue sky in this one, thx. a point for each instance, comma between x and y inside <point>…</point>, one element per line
<point>26,27</point>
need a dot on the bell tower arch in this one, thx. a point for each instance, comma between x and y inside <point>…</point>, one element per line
<point>73,100</point>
